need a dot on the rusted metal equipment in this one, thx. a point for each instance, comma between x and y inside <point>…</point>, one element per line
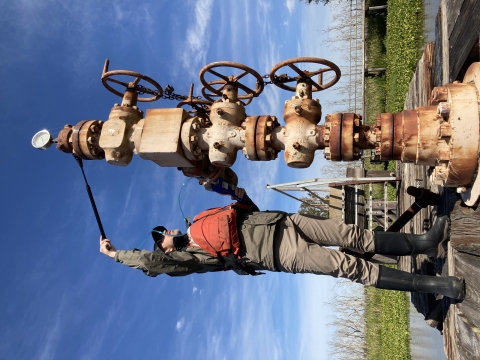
<point>423,198</point>
<point>204,142</point>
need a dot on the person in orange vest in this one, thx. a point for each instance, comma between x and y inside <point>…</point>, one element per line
<point>242,238</point>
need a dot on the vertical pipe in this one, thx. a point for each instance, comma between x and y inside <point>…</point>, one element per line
<point>370,217</point>
<point>385,204</point>
<point>356,205</point>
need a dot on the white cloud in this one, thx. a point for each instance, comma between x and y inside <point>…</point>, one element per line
<point>197,37</point>
<point>53,334</point>
<point>194,290</point>
<point>180,324</point>
<point>290,5</point>
<point>257,310</point>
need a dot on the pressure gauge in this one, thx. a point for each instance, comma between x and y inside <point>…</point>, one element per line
<point>42,140</point>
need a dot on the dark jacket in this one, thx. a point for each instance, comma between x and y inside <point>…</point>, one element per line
<point>256,231</point>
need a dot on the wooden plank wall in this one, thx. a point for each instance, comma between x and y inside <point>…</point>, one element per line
<point>462,320</point>
<point>423,81</point>
<point>457,32</point>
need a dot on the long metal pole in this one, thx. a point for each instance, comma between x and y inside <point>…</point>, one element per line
<point>90,195</point>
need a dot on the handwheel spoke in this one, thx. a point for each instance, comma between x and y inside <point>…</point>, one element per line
<point>135,82</point>
<point>238,77</point>
<point>245,88</point>
<point>315,84</point>
<point>320,71</point>
<point>297,70</point>
<point>220,88</point>
<point>117,82</point>
<point>223,77</point>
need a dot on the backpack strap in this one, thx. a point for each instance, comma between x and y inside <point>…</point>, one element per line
<point>238,265</point>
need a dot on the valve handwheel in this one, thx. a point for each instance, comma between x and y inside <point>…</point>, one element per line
<point>221,84</point>
<point>282,80</point>
<point>199,105</point>
<point>248,93</point>
<point>107,76</point>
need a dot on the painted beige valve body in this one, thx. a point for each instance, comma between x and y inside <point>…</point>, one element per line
<point>116,134</point>
<point>298,136</point>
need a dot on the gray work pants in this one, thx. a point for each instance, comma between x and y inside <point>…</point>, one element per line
<point>301,247</point>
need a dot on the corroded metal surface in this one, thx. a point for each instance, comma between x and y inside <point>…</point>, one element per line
<point>264,142</point>
<point>320,137</point>
<point>410,135</point>
<point>299,133</point>
<point>250,150</point>
<point>219,85</point>
<point>444,135</point>
<point>116,132</point>
<point>189,139</point>
<point>293,64</point>
<point>133,86</point>
<point>199,105</point>
<point>85,140</point>
<point>386,145</point>
<point>300,109</point>
<point>471,195</point>
<point>334,124</point>
<point>465,138</point>
<point>249,93</point>
<point>347,136</point>
<point>64,139</point>
<point>397,136</point>
<point>428,135</point>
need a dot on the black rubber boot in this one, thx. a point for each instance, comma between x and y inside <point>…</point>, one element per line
<point>393,279</point>
<point>431,243</point>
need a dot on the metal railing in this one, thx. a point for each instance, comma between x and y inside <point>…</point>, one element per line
<point>318,185</point>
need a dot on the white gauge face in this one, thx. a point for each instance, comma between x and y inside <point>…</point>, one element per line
<point>42,140</point>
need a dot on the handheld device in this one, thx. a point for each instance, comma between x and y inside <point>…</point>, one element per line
<point>220,186</point>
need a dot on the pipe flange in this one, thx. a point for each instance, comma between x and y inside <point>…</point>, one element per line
<point>334,137</point>
<point>357,122</point>
<point>464,118</point>
<point>85,140</point>
<point>64,140</point>
<point>264,143</point>
<point>347,136</point>
<point>397,136</point>
<point>386,147</point>
<point>440,173</point>
<point>249,150</point>
<point>439,94</point>
<point>189,139</point>
<point>410,136</point>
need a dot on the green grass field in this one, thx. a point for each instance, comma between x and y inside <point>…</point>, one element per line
<point>396,45</point>
<point>387,322</point>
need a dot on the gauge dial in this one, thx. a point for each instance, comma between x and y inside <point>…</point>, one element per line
<point>42,140</point>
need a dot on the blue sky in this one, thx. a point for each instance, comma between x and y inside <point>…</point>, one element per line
<point>61,298</point>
